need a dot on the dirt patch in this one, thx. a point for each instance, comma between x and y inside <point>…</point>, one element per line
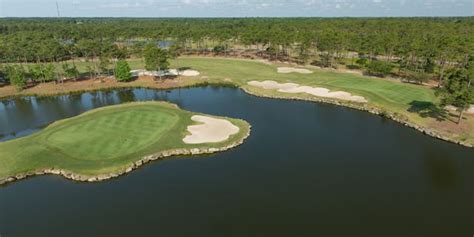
<point>450,127</point>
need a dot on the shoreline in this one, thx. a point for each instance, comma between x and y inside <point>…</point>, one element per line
<point>208,151</point>
<point>205,82</point>
<point>133,166</point>
<point>371,110</point>
<point>120,86</point>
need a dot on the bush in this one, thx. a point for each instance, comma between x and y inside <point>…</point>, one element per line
<point>122,71</point>
<point>324,61</point>
<point>419,77</point>
<point>361,61</point>
<point>353,66</point>
<point>70,71</point>
<point>36,72</point>
<point>16,76</point>
<point>219,49</point>
<point>379,68</point>
<point>49,72</point>
<point>2,75</point>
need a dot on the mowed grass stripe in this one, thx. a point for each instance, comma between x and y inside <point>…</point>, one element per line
<point>106,137</point>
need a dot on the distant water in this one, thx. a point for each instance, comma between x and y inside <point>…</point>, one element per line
<point>307,169</point>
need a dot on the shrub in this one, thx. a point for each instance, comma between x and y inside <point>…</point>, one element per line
<point>36,72</point>
<point>2,74</point>
<point>219,49</point>
<point>418,77</point>
<point>353,66</point>
<point>70,71</point>
<point>49,72</point>
<point>122,71</point>
<point>379,68</point>
<point>361,61</point>
<point>16,76</point>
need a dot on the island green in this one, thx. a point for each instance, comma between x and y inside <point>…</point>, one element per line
<point>106,142</point>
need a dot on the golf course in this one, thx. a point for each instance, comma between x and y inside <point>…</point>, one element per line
<point>236,118</point>
<point>411,104</point>
<point>109,141</point>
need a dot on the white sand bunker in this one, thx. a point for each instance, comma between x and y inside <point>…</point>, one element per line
<point>171,72</point>
<point>210,131</point>
<point>470,110</point>
<point>316,91</point>
<point>292,69</point>
<point>186,73</point>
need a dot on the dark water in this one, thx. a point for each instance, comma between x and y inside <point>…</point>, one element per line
<point>307,170</point>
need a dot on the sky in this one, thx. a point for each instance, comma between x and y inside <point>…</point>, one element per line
<point>235,8</point>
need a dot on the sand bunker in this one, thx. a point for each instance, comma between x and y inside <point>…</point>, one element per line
<point>470,110</point>
<point>171,72</point>
<point>186,73</point>
<point>316,91</point>
<point>210,131</point>
<point>292,69</point>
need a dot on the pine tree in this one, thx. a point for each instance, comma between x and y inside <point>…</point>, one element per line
<point>122,71</point>
<point>458,89</point>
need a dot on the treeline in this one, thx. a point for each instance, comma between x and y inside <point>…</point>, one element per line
<point>414,48</point>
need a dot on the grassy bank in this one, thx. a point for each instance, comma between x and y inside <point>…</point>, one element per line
<point>413,103</point>
<point>106,140</point>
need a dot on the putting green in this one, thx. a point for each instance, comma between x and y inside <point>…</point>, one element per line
<point>105,140</point>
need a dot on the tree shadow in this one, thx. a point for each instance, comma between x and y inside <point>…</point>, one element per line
<point>428,110</point>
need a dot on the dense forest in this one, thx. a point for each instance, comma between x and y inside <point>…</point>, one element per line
<point>418,49</point>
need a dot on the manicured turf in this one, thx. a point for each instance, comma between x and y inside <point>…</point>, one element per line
<point>104,140</point>
<point>412,102</point>
<point>378,91</point>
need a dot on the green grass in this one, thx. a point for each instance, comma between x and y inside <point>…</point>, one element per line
<point>104,140</point>
<point>412,102</point>
<point>381,92</point>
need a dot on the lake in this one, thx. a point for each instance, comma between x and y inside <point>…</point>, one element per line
<point>307,169</point>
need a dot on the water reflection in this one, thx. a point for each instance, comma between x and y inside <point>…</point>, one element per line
<point>441,171</point>
<point>306,168</point>
<point>26,115</point>
<point>126,95</point>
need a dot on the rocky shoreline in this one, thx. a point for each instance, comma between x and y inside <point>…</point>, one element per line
<point>372,110</point>
<point>198,151</point>
<point>135,165</point>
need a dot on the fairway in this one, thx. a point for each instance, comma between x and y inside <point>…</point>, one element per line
<point>408,102</point>
<point>107,140</point>
<point>380,92</point>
